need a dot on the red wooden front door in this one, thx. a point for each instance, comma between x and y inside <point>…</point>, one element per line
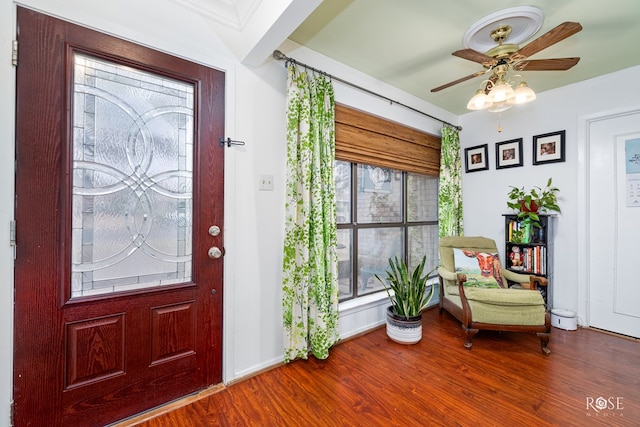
<point>119,180</point>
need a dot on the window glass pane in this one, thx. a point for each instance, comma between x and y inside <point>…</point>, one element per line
<point>423,240</point>
<point>379,195</point>
<point>132,179</point>
<point>422,197</point>
<point>342,175</point>
<point>345,264</point>
<point>375,247</point>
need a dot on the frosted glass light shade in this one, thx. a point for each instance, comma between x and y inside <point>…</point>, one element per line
<point>522,94</point>
<point>479,101</point>
<point>499,107</point>
<point>501,92</point>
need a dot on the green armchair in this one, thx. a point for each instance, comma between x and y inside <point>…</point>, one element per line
<point>499,308</point>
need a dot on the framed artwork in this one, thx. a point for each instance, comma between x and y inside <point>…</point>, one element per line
<point>509,154</point>
<point>548,148</point>
<point>476,158</point>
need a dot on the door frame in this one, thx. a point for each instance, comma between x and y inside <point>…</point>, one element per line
<point>229,85</point>
<point>8,20</point>
<point>7,189</point>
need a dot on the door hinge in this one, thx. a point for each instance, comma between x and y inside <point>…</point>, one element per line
<point>14,53</point>
<point>12,232</point>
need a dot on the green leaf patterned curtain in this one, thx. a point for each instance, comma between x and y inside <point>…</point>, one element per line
<point>450,197</point>
<point>310,266</point>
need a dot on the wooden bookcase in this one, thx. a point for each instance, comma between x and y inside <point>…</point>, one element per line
<point>535,252</point>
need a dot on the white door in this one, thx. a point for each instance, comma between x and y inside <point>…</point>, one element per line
<point>613,224</point>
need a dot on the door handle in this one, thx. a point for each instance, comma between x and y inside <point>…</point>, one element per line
<point>214,252</point>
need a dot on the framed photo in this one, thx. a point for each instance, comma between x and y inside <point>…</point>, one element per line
<point>509,154</point>
<point>476,158</point>
<point>548,148</point>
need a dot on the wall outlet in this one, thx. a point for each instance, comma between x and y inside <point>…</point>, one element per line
<point>265,182</point>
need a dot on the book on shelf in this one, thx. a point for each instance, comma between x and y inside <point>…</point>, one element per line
<point>534,259</point>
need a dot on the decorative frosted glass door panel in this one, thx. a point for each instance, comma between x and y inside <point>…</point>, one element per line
<point>132,179</point>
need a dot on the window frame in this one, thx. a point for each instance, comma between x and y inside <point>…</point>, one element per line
<point>354,226</point>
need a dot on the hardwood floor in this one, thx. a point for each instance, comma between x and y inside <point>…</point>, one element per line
<point>505,380</point>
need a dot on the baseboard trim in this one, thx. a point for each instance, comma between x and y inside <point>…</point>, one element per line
<point>615,334</point>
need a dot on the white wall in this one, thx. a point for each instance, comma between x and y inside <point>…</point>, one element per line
<point>485,192</point>
<point>255,113</point>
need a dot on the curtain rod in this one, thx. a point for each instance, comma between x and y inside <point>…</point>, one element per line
<point>282,57</point>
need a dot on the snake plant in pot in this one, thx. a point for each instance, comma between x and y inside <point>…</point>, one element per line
<point>409,294</point>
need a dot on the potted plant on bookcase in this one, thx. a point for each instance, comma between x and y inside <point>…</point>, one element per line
<point>409,295</point>
<point>529,203</point>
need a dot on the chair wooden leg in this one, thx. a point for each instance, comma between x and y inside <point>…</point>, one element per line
<point>544,341</point>
<point>469,333</point>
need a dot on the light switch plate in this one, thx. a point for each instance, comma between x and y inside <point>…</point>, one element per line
<point>265,182</point>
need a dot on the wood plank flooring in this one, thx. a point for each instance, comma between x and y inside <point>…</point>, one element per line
<point>505,380</point>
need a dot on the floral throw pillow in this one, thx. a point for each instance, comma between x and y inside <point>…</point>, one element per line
<point>482,269</point>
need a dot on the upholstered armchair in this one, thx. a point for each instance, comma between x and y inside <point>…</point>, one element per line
<point>474,288</point>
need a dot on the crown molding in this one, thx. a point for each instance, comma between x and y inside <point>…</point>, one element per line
<point>231,13</point>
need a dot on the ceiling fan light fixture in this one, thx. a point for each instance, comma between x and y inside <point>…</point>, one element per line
<point>500,107</point>
<point>479,101</point>
<point>500,96</point>
<point>501,92</point>
<point>503,56</point>
<point>522,94</point>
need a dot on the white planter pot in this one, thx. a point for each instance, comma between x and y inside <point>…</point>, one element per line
<point>404,331</point>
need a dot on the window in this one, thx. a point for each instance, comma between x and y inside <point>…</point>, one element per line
<point>381,213</point>
<point>387,198</point>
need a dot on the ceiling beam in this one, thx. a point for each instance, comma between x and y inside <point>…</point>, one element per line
<point>275,30</point>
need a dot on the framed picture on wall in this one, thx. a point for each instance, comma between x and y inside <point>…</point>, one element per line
<point>548,148</point>
<point>509,153</point>
<point>476,158</point>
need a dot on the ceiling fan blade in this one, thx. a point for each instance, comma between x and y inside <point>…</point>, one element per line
<point>559,33</point>
<point>455,82</point>
<point>474,56</point>
<point>556,64</point>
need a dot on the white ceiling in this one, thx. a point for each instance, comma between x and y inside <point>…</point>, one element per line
<point>408,43</point>
<point>232,13</point>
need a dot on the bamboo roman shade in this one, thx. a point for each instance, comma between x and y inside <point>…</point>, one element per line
<point>363,138</point>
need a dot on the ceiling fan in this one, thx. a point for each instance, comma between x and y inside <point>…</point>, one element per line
<point>504,56</point>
